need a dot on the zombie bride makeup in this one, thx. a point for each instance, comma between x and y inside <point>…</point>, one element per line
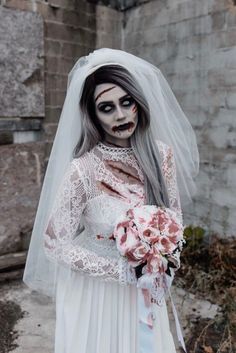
<point>116,111</point>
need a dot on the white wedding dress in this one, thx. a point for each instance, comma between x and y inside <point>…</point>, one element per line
<point>96,300</point>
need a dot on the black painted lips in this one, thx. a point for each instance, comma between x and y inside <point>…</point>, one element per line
<point>123,126</point>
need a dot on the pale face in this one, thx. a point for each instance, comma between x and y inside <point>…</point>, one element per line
<point>117,113</point>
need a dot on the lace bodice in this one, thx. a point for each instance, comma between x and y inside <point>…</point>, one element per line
<point>96,189</point>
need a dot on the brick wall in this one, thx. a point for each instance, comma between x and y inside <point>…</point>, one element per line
<point>41,40</point>
<point>194,44</point>
<point>109,28</point>
<point>69,32</point>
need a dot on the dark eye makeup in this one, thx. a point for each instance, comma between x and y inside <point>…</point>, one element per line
<point>126,102</point>
<point>105,108</point>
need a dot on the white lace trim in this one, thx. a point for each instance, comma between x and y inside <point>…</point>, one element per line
<point>115,150</point>
<point>79,201</point>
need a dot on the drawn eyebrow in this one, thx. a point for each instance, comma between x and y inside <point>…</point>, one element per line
<point>105,90</point>
<point>110,102</point>
<point>125,97</point>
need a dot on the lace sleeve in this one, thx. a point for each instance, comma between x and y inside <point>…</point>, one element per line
<point>169,172</point>
<point>62,227</point>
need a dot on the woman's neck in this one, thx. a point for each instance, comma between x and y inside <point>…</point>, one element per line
<point>122,144</point>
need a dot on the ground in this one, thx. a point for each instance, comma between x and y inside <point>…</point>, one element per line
<point>27,321</point>
<point>204,293</point>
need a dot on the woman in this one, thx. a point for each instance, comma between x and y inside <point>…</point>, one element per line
<point>114,149</point>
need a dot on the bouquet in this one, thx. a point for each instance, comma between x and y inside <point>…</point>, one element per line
<point>151,239</point>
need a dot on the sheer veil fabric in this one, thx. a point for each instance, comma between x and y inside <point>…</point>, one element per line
<point>168,124</point>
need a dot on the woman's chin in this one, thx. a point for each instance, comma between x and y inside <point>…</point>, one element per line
<point>122,136</point>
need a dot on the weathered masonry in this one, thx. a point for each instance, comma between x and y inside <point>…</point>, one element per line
<point>192,42</point>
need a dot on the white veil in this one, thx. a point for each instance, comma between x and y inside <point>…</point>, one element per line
<point>168,124</point>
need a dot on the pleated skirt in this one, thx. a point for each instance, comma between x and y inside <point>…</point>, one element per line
<point>94,316</point>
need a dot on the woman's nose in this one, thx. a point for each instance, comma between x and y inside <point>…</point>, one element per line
<point>120,114</point>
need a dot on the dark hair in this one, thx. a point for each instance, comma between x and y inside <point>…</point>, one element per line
<point>145,148</point>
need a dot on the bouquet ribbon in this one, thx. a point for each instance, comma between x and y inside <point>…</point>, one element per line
<point>146,338</point>
<point>147,316</point>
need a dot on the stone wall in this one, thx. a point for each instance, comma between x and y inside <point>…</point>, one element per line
<point>69,32</point>
<point>40,41</point>
<point>21,72</point>
<point>21,171</point>
<point>109,30</point>
<point>194,44</point>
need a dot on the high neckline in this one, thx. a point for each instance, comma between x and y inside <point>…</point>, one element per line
<point>120,150</point>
